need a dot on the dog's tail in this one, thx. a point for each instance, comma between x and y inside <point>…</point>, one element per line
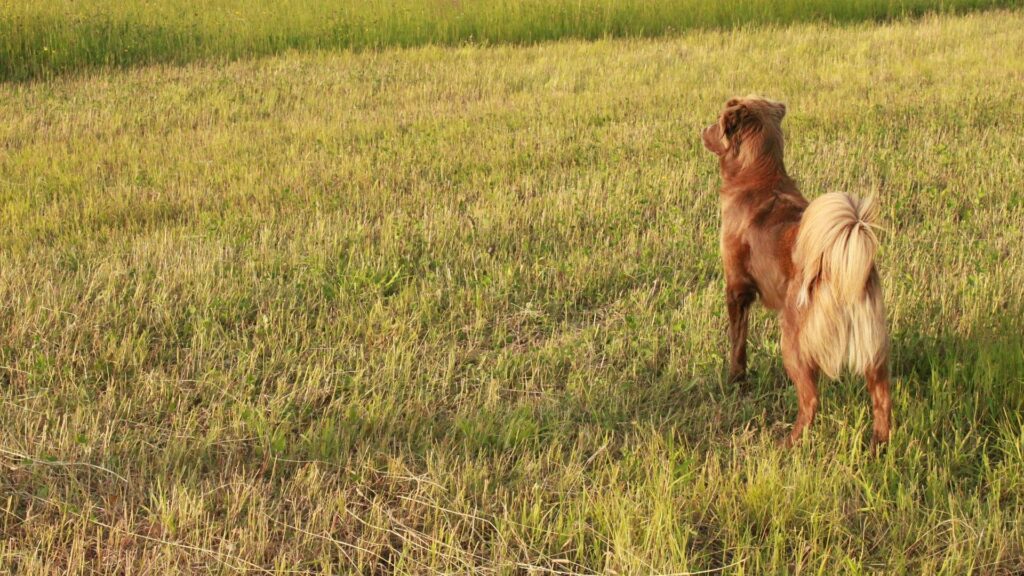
<point>840,295</point>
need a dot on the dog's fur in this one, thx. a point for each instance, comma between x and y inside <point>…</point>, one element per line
<point>812,262</point>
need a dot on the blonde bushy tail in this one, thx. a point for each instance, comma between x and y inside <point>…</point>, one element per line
<point>840,295</point>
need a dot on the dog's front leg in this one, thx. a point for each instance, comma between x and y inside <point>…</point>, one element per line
<point>738,300</point>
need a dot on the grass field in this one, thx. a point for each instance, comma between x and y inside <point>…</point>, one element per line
<point>453,310</point>
<point>44,38</point>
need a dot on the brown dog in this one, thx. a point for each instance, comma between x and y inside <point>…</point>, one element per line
<point>813,262</point>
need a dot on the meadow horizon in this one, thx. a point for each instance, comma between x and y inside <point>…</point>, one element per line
<point>44,40</point>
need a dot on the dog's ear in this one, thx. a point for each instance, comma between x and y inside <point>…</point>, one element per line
<point>780,110</point>
<point>733,117</point>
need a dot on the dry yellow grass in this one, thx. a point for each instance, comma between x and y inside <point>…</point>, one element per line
<point>460,310</point>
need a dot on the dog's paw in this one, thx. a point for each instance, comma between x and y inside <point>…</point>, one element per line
<point>878,446</point>
<point>786,442</point>
<point>739,379</point>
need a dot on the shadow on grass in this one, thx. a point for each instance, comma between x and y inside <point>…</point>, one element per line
<point>957,385</point>
<point>945,388</point>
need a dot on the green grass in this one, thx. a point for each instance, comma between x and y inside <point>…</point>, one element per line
<point>40,39</point>
<point>461,310</point>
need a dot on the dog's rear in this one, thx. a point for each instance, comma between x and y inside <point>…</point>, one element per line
<point>839,294</point>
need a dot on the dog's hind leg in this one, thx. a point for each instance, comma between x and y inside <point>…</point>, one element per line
<point>881,404</point>
<point>805,378</point>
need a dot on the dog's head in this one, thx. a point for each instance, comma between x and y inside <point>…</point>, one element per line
<point>748,133</point>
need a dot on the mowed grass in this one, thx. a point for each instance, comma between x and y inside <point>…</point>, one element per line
<point>453,310</point>
<point>44,38</point>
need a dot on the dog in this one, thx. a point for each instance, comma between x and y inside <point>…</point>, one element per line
<point>813,262</point>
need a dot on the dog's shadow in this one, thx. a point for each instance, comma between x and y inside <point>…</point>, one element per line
<point>945,386</point>
<point>956,383</point>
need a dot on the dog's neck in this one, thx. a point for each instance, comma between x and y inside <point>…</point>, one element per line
<point>767,177</point>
